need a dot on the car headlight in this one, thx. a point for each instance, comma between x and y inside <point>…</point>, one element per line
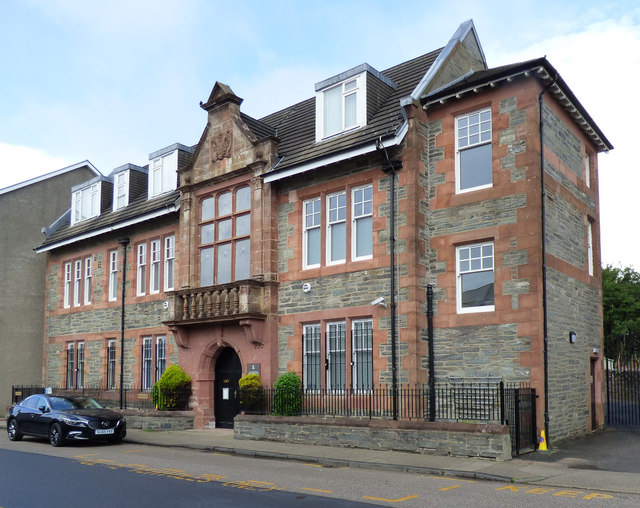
<point>75,421</point>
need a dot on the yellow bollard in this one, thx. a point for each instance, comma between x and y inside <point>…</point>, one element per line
<point>543,442</point>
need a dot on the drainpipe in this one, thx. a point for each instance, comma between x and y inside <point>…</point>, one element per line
<point>543,209</point>
<point>391,167</point>
<point>124,242</point>
<point>432,374</point>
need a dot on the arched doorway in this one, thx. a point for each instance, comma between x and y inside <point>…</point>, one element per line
<point>226,397</point>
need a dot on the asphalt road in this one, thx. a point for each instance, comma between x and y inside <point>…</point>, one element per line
<point>84,474</point>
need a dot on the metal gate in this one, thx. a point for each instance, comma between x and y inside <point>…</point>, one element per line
<point>623,395</point>
<point>520,414</point>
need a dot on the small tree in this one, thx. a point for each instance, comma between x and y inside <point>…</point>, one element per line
<point>251,393</point>
<point>287,395</point>
<point>173,389</point>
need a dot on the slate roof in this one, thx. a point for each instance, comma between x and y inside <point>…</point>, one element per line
<point>136,211</point>
<point>295,126</point>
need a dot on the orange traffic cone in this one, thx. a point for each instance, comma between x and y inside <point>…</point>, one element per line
<point>543,442</point>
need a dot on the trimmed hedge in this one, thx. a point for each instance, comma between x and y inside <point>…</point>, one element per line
<point>173,389</point>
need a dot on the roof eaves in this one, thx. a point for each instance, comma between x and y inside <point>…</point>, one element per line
<point>545,72</point>
<point>175,206</point>
<point>371,146</point>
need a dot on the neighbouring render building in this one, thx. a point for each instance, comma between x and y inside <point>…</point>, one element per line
<point>24,208</point>
<point>270,248</point>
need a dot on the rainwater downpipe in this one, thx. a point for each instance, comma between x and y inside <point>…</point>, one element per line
<point>124,242</point>
<point>543,210</point>
<point>391,168</point>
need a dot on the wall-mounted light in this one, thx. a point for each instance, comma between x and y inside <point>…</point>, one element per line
<point>572,337</point>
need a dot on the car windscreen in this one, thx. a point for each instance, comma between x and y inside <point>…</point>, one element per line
<point>61,403</point>
<point>86,403</point>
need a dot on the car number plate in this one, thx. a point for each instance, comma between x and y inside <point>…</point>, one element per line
<point>103,431</point>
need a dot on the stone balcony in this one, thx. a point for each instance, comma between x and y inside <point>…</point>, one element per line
<point>225,302</point>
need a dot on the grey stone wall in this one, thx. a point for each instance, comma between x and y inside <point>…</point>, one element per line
<point>479,353</point>
<point>559,138</point>
<point>566,231</point>
<point>457,439</point>
<point>140,315</point>
<point>573,306</point>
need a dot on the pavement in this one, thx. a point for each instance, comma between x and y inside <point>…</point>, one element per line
<point>606,461</point>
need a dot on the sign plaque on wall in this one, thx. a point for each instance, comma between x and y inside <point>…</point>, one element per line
<point>253,368</point>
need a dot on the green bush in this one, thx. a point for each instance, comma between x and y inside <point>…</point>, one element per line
<point>251,393</point>
<point>173,389</point>
<point>287,395</point>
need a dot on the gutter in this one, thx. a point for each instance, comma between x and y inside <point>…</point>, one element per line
<point>326,161</point>
<point>107,229</point>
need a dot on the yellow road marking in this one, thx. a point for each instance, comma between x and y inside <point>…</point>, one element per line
<point>317,490</point>
<point>313,465</point>
<point>449,488</point>
<point>133,451</point>
<point>399,500</point>
<point>452,479</point>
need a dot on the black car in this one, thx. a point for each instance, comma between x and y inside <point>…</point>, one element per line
<point>60,418</point>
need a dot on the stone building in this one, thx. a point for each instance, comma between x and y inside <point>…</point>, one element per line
<point>128,219</point>
<point>24,208</point>
<point>482,183</point>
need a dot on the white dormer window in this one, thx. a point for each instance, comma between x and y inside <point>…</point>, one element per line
<point>162,174</point>
<point>85,203</point>
<point>121,190</point>
<point>341,106</point>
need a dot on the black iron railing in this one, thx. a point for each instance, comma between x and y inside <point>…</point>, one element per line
<point>134,398</point>
<point>454,402</point>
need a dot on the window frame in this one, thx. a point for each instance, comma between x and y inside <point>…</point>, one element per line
<point>469,146</point>
<point>112,355</point>
<point>113,275</point>
<point>316,202</point>
<point>78,203</point>
<point>70,365</point>
<point>66,298</point>
<point>169,262</point>
<point>336,372</point>
<point>226,243</point>
<point>161,356</point>
<point>155,249</point>
<point>460,274</point>
<point>77,282</point>
<point>141,269</point>
<point>364,368</point>
<point>146,364</point>
<point>312,357</point>
<point>587,169</point>
<point>356,219</point>
<point>121,190</point>
<point>88,275</point>
<point>334,224</point>
<point>590,250</point>
<point>327,109</point>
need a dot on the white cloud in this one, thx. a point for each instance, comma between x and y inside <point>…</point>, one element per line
<point>21,163</point>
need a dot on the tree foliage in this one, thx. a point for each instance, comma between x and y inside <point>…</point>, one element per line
<point>621,313</point>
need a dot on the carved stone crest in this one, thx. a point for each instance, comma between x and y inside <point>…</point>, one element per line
<point>221,146</point>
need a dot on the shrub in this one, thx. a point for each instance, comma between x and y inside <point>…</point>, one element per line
<point>251,393</point>
<point>287,395</point>
<point>173,389</point>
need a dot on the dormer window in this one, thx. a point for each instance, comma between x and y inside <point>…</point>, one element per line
<point>85,203</point>
<point>121,190</point>
<point>340,106</point>
<point>162,173</point>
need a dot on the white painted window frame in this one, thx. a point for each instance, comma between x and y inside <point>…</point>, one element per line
<point>113,275</point>
<point>460,273</point>
<point>77,283</point>
<point>121,190</point>
<point>66,299</point>
<point>141,269</point>
<point>360,90</point>
<point>88,274</point>
<point>154,266</point>
<point>316,204</point>
<point>169,262</point>
<point>332,223</point>
<point>354,222</point>
<point>459,149</point>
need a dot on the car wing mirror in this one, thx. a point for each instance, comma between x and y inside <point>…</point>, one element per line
<point>43,409</point>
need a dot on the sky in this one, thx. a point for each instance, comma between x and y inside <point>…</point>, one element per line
<point>113,81</point>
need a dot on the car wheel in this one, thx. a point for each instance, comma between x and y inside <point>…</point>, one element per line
<point>12,430</point>
<point>55,435</point>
